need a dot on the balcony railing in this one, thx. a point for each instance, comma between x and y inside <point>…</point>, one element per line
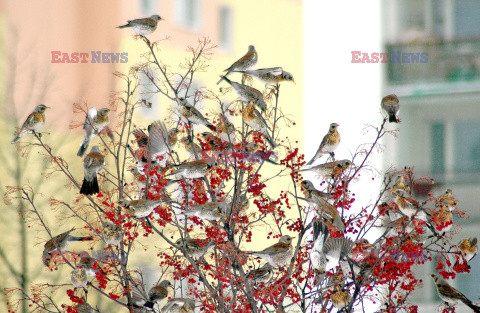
<point>454,61</point>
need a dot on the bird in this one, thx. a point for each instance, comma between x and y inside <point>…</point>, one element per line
<point>215,143</point>
<point>34,122</point>
<point>112,233</point>
<point>193,169</point>
<point>247,62</point>
<point>451,295</point>
<point>179,305</point>
<point>329,143</point>
<point>272,75</point>
<point>195,247</point>
<point>261,274</point>
<point>340,297</point>
<point>327,252</point>
<point>448,199</point>
<point>442,218</point>
<point>88,263</point>
<point>401,184</point>
<point>143,26</point>
<point>139,180</point>
<point>83,308</point>
<point>390,104</point>
<point>407,205</point>
<point>92,164</point>
<point>190,114</point>
<point>226,129</point>
<point>141,207</point>
<point>79,277</point>
<point>246,94</point>
<point>193,150</point>
<point>157,293</point>
<point>469,248</point>
<point>254,119</point>
<point>156,143</point>
<point>279,254</point>
<point>60,243</point>
<point>319,198</point>
<point>95,123</point>
<point>330,168</point>
<point>210,211</point>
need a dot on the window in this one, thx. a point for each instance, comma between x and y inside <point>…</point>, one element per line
<point>467,23</point>
<point>188,14</point>
<point>148,7</point>
<point>225,31</point>
<point>438,150</point>
<point>148,95</point>
<point>467,149</point>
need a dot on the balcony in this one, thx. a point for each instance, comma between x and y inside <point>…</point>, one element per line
<point>448,63</point>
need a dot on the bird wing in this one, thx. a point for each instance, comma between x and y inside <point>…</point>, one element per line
<point>92,112</point>
<point>240,61</point>
<point>140,137</point>
<point>277,248</point>
<point>30,121</point>
<point>158,138</point>
<point>276,71</point>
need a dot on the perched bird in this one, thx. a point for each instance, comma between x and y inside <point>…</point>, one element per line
<point>193,150</point>
<point>448,199</point>
<point>79,277</point>
<point>407,205</point>
<point>193,169</point>
<point>469,248</point>
<point>141,207</point>
<point>246,94</point>
<point>34,122</point>
<point>401,184</point>
<point>340,297</point>
<point>254,119</point>
<point>319,198</point>
<point>195,247</point>
<point>143,26</point>
<point>139,180</point>
<point>226,129</point>
<point>88,263</point>
<point>210,211</point>
<point>261,274</point>
<point>391,106</point>
<point>179,305</point>
<point>215,143</point>
<point>279,254</point>
<point>329,143</point>
<point>112,233</point>
<point>451,295</point>
<point>330,168</point>
<point>327,252</point>
<point>60,243</point>
<point>95,123</point>
<point>272,75</point>
<point>442,218</point>
<point>190,114</point>
<point>247,62</point>
<point>92,164</point>
<point>254,152</point>
<point>157,293</point>
<point>83,308</point>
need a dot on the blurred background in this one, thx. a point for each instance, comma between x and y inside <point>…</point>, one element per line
<point>439,135</point>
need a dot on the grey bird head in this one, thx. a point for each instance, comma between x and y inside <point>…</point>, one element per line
<point>156,17</point>
<point>251,48</point>
<point>333,127</point>
<point>95,149</point>
<point>181,101</point>
<point>287,76</point>
<point>103,111</point>
<point>286,239</point>
<point>165,284</point>
<point>41,108</point>
<point>307,185</point>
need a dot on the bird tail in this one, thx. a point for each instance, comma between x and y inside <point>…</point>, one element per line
<point>312,160</point>
<point>319,227</point>
<point>149,304</point>
<point>83,148</point>
<point>74,238</point>
<point>270,140</point>
<point>393,119</point>
<point>90,187</point>
<point>472,306</point>
<point>224,77</point>
<point>17,138</point>
<point>212,127</point>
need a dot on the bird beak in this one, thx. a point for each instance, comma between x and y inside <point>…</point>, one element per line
<point>48,107</point>
<point>293,81</point>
